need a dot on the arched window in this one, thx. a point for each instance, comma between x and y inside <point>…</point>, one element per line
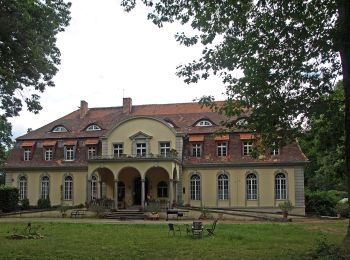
<point>280,186</point>
<point>22,187</point>
<point>68,188</point>
<point>162,189</point>
<point>252,186</point>
<point>59,129</point>
<point>93,187</point>
<point>223,187</point>
<point>204,122</point>
<point>195,187</point>
<point>45,186</point>
<point>93,127</point>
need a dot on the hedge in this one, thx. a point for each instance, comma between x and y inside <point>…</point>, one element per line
<point>323,203</point>
<point>8,198</point>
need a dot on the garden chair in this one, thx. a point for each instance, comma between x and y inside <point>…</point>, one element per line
<point>197,229</point>
<point>211,230</point>
<point>173,228</point>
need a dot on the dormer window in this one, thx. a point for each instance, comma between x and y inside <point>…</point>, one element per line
<point>93,127</point>
<point>59,129</point>
<point>204,123</point>
<point>241,122</point>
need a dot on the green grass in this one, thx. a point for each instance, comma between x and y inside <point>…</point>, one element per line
<point>151,241</point>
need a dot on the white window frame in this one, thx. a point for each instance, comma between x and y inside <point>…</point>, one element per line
<point>141,149</point>
<point>204,123</point>
<point>48,153</point>
<point>92,151</point>
<point>281,188</point>
<point>195,187</point>
<point>252,186</point>
<point>93,187</point>
<point>196,150</point>
<point>93,127</point>
<point>59,129</point>
<point>164,148</point>
<point>118,150</point>
<point>247,147</point>
<point>68,188</point>
<point>223,186</point>
<point>45,187</point>
<point>69,153</point>
<point>27,154</point>
<point>22,187</point>
<point>276,150</point>
<point>221,149</point>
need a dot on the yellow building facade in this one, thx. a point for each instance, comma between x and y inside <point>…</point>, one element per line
<point>132,155</point>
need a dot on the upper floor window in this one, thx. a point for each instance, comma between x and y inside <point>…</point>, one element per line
<point>59,129</point>
<point>252,186</point>
<point>241,122</point>
<point>196,149</point>
<point>141,149</point>
<point>117,150</point>
<point>48,153</point>
<point>275,149</point>
<point>222,148</point>
<point>45,184</point>
<point>280,186</point>
<point>93,127</point>
<point>162,189</point>
<point>223,187</point>
<point>204,123</point>
<point>247,147</point>
<point>195,187</point>
<point>164,148</point>
<point>22,187</point>
<point>92,151</point>
<point>69,153</point>
<point>27,154</point>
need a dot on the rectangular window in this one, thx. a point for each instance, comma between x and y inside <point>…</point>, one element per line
<point>276,150</point>
<point>222,149</point>
<point>196,150</point>
<point>247,147</point>
<point>165,149</point>
<point>48,154</point>
<point>91,152</point>
<point>69,154</point>
<point>118,150</point>
<point>141,149</point>
<point>27,155</point>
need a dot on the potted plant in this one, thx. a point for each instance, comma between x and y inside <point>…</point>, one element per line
<point>63,210</point>
<point>285,206</point>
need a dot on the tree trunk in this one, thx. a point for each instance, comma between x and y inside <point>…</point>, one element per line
<point>344,30</point>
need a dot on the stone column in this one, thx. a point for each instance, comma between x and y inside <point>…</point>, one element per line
<point>143,193</point>
<point>116,194</point>
<point>171,192</point>
<point>175,187</point>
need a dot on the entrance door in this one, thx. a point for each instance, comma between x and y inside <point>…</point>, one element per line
<point>137,190</point>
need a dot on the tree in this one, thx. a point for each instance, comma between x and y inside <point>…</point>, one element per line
<point>28,55</point>
<point>323,143</point>
<point>289,53</point>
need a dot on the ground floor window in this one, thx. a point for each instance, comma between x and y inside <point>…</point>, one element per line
<point>195,187</point>
<point>280,186</point>
<point>23,187</point>
<point>68,188</point>
<point>223,187</point>
<point>45,184</point>
<point>162,189</point>
<point>93,187</point>
<point>252,186</point>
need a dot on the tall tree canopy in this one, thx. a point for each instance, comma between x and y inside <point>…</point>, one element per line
<point>28,55</point>
<point>289,53</point>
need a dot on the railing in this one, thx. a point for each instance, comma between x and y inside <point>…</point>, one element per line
<point>134,156</point>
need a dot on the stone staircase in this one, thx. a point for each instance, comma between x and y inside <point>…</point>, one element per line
<point>126,214</point>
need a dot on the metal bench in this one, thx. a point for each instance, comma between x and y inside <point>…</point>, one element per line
<point>178,213</point>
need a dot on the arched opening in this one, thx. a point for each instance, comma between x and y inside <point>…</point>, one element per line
<point>138,190</point>
<point>159,186</point>
<point>129,187</point>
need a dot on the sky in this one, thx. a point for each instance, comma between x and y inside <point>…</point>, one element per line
<point>108,54</point>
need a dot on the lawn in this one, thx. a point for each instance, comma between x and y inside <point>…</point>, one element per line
<point>151,241</point>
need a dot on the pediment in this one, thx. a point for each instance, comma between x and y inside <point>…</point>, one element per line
<point>140,135</point>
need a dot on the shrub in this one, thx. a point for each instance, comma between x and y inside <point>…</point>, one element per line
<point>326,250</point>
<point>8,198</point>
<point>25,203</point>
<point>286,206</point>
<point>323,202</point>
<point>44,203</point>
<point>343,209</point>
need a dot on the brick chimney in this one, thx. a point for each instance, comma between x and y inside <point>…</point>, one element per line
<point>127,105</point>
<point>83,108</point>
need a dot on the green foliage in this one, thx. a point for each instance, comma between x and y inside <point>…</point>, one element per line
<point>286,206</point>
<point>29,232</point>
<point>343,209</point>
<point>323,202</point>
<point>25,204</point>
<point>324,143</point>
<point>8,198</point>
<point>327,250</point>
<point>44,203</point>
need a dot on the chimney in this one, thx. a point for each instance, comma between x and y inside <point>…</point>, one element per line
<point>83,108</point>
<point>127,105</point>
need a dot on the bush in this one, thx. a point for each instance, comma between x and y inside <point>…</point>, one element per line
<point>343,209</point>
<point>44,203</point>
<point>326,250</point>
<point>323,202</point>
<point>8,198</point>
<point>25,204</point>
